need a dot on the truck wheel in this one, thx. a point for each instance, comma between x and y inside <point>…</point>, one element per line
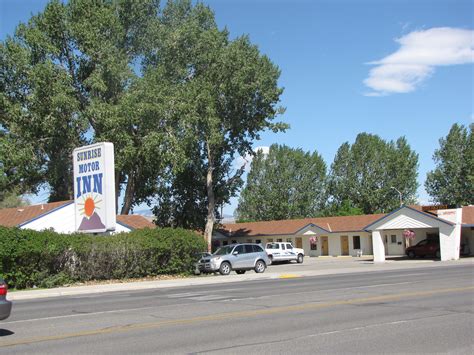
<point>260,267</point>
<point>300,259</point>
<point>240,272</point>
<point>225,268</point>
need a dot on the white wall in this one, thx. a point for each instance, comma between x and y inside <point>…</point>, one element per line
<point>334,242</point>
<point>62,221</point>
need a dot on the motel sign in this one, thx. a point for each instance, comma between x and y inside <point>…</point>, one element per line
<point>94,188</point>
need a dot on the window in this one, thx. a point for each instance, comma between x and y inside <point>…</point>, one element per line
<point>249,240</point>
<point>249,248</point>
<point>258,241</point>
<point>225,242</point>
<point>239,249</point>
<point>313,246</point>
<point>279,240</point>
<point>289,247</point>
<point>234,242</point>
<point>432,237</point>
<point>289,240</point>
<point>270,240</point>
<point>356,242</point>
<point>393,239</point>
<point>283,247</point>
<point>257,248</point>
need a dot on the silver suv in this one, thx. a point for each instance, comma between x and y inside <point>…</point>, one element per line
<point>238,257</point>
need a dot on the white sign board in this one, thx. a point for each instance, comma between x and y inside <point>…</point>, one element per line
<point>94,188</point>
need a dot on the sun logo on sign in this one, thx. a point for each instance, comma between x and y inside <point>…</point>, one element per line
<point>89,205</point>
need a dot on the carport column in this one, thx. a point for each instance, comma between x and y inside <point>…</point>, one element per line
<point>378,247</point>
<point>449,241</point>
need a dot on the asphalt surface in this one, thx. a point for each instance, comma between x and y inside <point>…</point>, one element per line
<point>417,310</point>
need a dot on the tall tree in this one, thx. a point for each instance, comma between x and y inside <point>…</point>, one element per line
<point>287,183</point>
<point>229,89</point>
<point>452,181</point>
<point>369,172</point>
<point>64,76</point>
<point>182,197</point>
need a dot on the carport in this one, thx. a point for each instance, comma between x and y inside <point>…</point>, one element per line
<point>409,218</point>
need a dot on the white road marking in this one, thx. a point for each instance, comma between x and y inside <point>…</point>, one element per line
<point>356,328</point>
<point>77,315</point>
<point>208,297</point>
<point>184,295</point>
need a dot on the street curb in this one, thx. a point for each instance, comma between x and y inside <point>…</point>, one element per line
<point>199,281</point>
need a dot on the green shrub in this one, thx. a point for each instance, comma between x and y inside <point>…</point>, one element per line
<point>46,259</point>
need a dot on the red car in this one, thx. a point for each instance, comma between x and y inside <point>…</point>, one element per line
<point>5,306</point>
<point>424,248</point>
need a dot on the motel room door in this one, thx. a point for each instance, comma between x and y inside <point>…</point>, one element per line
<point>299,243</point>
<point>324,246</point>
<point>344,245</point>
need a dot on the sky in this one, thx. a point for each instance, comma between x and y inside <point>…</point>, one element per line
<point>392,68</point>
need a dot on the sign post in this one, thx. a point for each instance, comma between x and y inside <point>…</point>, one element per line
<point>94,188</point>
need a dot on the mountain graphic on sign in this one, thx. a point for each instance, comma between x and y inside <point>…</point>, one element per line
<point>91,223</point>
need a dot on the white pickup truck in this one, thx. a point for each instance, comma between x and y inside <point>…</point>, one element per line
<point>280,251</point>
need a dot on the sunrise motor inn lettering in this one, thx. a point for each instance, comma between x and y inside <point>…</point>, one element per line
<point>94,188</point>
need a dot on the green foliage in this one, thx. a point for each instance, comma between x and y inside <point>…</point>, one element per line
<point>45,259</point>
<point>225,92</point>
<point>164,84</point>
<point>287,183</point>
<point>11,199</point>
<point>65,81</point>
<point>452,181</point>
<point>366,173</point>
<point>346,208</point>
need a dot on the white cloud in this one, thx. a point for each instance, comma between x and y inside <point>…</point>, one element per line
<point>419,53</point>
<point>240,161</point>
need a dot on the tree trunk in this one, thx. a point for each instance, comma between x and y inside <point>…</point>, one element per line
<point>211,203</point>
<point>129,192</point>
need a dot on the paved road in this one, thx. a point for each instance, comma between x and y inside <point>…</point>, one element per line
<point>426,310</point>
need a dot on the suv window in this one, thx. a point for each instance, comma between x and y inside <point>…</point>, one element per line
<point>283,247</point>
<point>257,248</point>
<point>288,246</point>
<point>273,246</point>
<point>224,250</point>
<point>249,248</point>
<point>239,249</point>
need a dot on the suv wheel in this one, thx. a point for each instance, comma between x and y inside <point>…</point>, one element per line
<point>260,266</point>
<point>300,259</point>
<point>225,268</point>
<point>240,272</point>
<point>411,254</point>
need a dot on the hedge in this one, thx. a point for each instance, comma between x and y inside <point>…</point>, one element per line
<point>30,258</point>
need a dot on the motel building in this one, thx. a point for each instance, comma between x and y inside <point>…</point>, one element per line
<point>60,216</point>
<point>380,235</point>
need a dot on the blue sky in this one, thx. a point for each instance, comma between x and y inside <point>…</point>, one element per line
<point>418,83</point>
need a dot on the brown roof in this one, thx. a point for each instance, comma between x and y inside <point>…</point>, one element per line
<point>135,221</point>
<point>12,217</point>
<point>331,224</point>
<point>468,215</point>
